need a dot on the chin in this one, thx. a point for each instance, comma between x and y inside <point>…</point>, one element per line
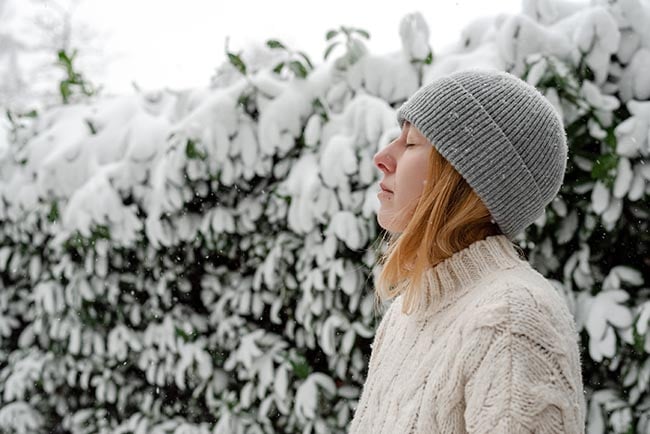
<point>388,224</point>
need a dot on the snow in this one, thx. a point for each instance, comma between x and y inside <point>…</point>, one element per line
<point>414,33</point>
<point>630,42</point>
<point>568,228</point>
<point>192,353</point>
<point>327,335</point>
<point>21,418</point>
<point>624,177</point>
<point>346,227</point>
<point>622,274</point>
<point>364,121</point>
<point>606,311</point>
<point>281,120</point>
<point>598,36</point>
<point>338,161</point>
<point>596,99</point>
<point>611,215</point>
<point>635,82</point>
<point>25,371</point>
<point>485,56</point>
<point>389,77</point>
<point>478,32</point>
<point>550,11</point>
<point>120,341</point>
<point>638,184</point>
<point>303,185</point>
<point>600,198</point>
<point>643,323</point>
<point>97,203</point>
<point>632,14</point>
<point>318,201</point>
<point>307,394</point>
<point>313,130</point>
<point>632,133</point>
<point>520,36</point>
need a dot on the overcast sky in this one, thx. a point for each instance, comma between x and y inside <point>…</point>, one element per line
<point>179,43</point>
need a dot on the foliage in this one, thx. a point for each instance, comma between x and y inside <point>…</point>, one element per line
<point>73,82</point>
<point>201,261</point>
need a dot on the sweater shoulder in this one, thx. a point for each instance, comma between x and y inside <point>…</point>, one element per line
<point>519,331</point>
<point>522,289</point>
<point>522,301</point>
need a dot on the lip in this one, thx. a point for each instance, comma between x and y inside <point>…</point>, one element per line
<point>383,188</point>
<point>383,194</point>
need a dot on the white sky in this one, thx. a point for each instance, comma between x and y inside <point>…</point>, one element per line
<point>179,44</point>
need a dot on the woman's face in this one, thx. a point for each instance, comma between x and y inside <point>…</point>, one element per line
<point>404,163</point>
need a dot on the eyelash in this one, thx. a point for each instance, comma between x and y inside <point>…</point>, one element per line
<point>408,145</point>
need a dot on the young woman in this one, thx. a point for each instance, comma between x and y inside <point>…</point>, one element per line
<point>475,340</point>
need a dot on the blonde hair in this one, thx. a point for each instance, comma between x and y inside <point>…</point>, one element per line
<point>448,217</point>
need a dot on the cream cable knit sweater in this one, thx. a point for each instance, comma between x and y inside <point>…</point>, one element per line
<point>498,354</point>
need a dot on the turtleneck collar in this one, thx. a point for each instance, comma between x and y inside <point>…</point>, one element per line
<point>454,276</point>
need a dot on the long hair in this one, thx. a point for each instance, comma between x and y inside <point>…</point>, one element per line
<point>448,217</point>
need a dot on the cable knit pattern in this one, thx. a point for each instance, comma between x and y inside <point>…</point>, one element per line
<point>496,353</point>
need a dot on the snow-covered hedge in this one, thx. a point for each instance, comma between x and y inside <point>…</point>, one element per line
<point>201,261</point>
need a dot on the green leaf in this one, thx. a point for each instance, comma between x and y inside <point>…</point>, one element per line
<point>243,99</point>
<point>181,334</point>
<point>330,34</point>
<point>639,340</point>
<point>300,367</point>
<point>278,67</point>
<point>298,68</point>
<point>304,56</point>
<point>53,215</point>
<point>317,104</point>
<point>66,62</point>
<point>610,139</point>
<point>363,33</point>
<point>63,57</point>
<point>101,232</point>
<point>192,152</point>
<point>91,126</point>
<point>318,107</point>
<point>64,88</point>
<point>329,49</point>
<point>429,58</point>
<point>604,167</point>
<point>236,61</point>
<point>274,43</point>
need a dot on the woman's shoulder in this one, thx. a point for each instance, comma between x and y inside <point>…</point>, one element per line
<point>520,346</point>
<point>521,296</point>
<point>518,283</point>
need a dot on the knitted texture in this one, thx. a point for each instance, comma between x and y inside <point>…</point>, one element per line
<point>497,354</point>
<point>501,134</point>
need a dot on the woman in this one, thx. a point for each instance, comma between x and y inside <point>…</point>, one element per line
<point>475,340</point>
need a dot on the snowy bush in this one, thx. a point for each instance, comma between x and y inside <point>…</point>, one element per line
<point>201,261</point>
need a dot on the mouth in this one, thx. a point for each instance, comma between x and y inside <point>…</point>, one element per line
<point>383,188</point>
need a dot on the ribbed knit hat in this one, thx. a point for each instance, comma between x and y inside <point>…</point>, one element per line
<point>501,134</point>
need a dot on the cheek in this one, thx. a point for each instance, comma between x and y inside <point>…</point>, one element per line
<point>413,178</point>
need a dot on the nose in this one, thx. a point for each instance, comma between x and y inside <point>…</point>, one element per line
<point>384,160</point>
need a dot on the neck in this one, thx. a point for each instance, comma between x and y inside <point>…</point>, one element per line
<point>454,276</point>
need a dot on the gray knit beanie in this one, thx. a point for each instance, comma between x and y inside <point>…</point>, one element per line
<point>501,134</point>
